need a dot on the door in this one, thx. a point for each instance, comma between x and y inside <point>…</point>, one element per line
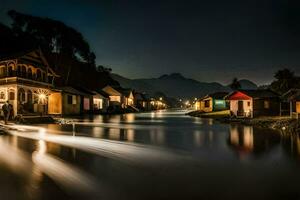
<point>240,111</point>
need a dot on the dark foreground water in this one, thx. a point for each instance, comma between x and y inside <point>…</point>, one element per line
<point>160,155</point>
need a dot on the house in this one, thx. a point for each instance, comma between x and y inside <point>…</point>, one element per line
<point>26,81</point>
<point>254,103</point>
<point>212,102</point>
<point>291,102</point>
<point>86,99</point>
<point>100,101</point>
<point>68,101</point>
<point>115,97</point>
<point>127,97</point>
<point>142,101</point>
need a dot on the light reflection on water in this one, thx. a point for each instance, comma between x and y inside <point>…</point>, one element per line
<point>148,156</point>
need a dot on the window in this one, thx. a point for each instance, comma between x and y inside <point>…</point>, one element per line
<point>2,95</point>
<point>10,71</point>
<point>11,95</point>
<point>30,73</point>
<point>2,71</point>
<point>38,74</point>
<point>206,104</point>
<point>72,99</point>
<point>29,96</point>
<point>23,71</point>
<point>248,103</point>
<point>266,104</point>
<point>21,95</point>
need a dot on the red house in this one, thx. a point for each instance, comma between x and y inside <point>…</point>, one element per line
<point>254,103</point>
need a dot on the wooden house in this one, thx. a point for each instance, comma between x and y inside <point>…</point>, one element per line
<point>212,102</point>
<point>68,101</point>
<point>254,103</point>
<point>115,97</point>
<point>26,81</point>
<point>291,102</point>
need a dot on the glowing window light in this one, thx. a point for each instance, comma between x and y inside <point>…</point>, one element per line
<point>42,96</point>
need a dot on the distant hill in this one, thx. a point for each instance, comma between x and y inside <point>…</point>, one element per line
<point>248,85</point>
<point>176,85</point>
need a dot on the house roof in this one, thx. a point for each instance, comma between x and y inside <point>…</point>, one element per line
<point>256,93</point>
<point>216,95</point>
<point>29,56</point>
<point>111,91</point>
<point>71,90</point>
<point>102,93</point>
<point>292,94</point>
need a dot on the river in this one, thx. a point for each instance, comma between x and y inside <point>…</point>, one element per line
<point>157,155</point>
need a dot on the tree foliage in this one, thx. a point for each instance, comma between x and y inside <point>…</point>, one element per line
<point>66,50</point>
<point>52,36</point>
<point>285,80</point>
<point>235,84</point>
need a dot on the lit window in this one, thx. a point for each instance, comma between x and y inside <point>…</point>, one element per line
<point>266,104</point>
<point>74,100</point>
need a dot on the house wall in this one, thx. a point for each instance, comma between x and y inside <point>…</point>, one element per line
<point>115,99</point>
<point>219,104</point>
<point>55,103</point>
<point>248,109</point>
<point>208,108</point>
<point>298,106</point>
<point>259,108</point>
<point>71,108</point>
<point>24,99</point>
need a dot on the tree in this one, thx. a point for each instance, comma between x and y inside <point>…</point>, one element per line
<point>52,36</point>
<point>235,84</point>
<point>285,80</point>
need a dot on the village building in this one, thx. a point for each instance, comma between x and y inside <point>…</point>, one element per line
<point>119,96</point>
<point>26,81</point>
<point>254,103</point>
<point>127,97</point>
<point>68,101</point>
<point>100,101</point>
<point>212,102</point>
<point>114,95</point>
<point>291,103</point>
<point>142,101</point>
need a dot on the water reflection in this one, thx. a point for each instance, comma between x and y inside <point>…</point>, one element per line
<point>250,140</point>
<point>291,145</point>
<point>163,155</point>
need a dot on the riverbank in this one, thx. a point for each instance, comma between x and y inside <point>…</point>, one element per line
<point>217,114</point>
<point>284,124</point>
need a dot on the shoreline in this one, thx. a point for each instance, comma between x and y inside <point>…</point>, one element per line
<point>284,124</point>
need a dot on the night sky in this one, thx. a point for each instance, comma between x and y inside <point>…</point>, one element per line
<point>205,40</point>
